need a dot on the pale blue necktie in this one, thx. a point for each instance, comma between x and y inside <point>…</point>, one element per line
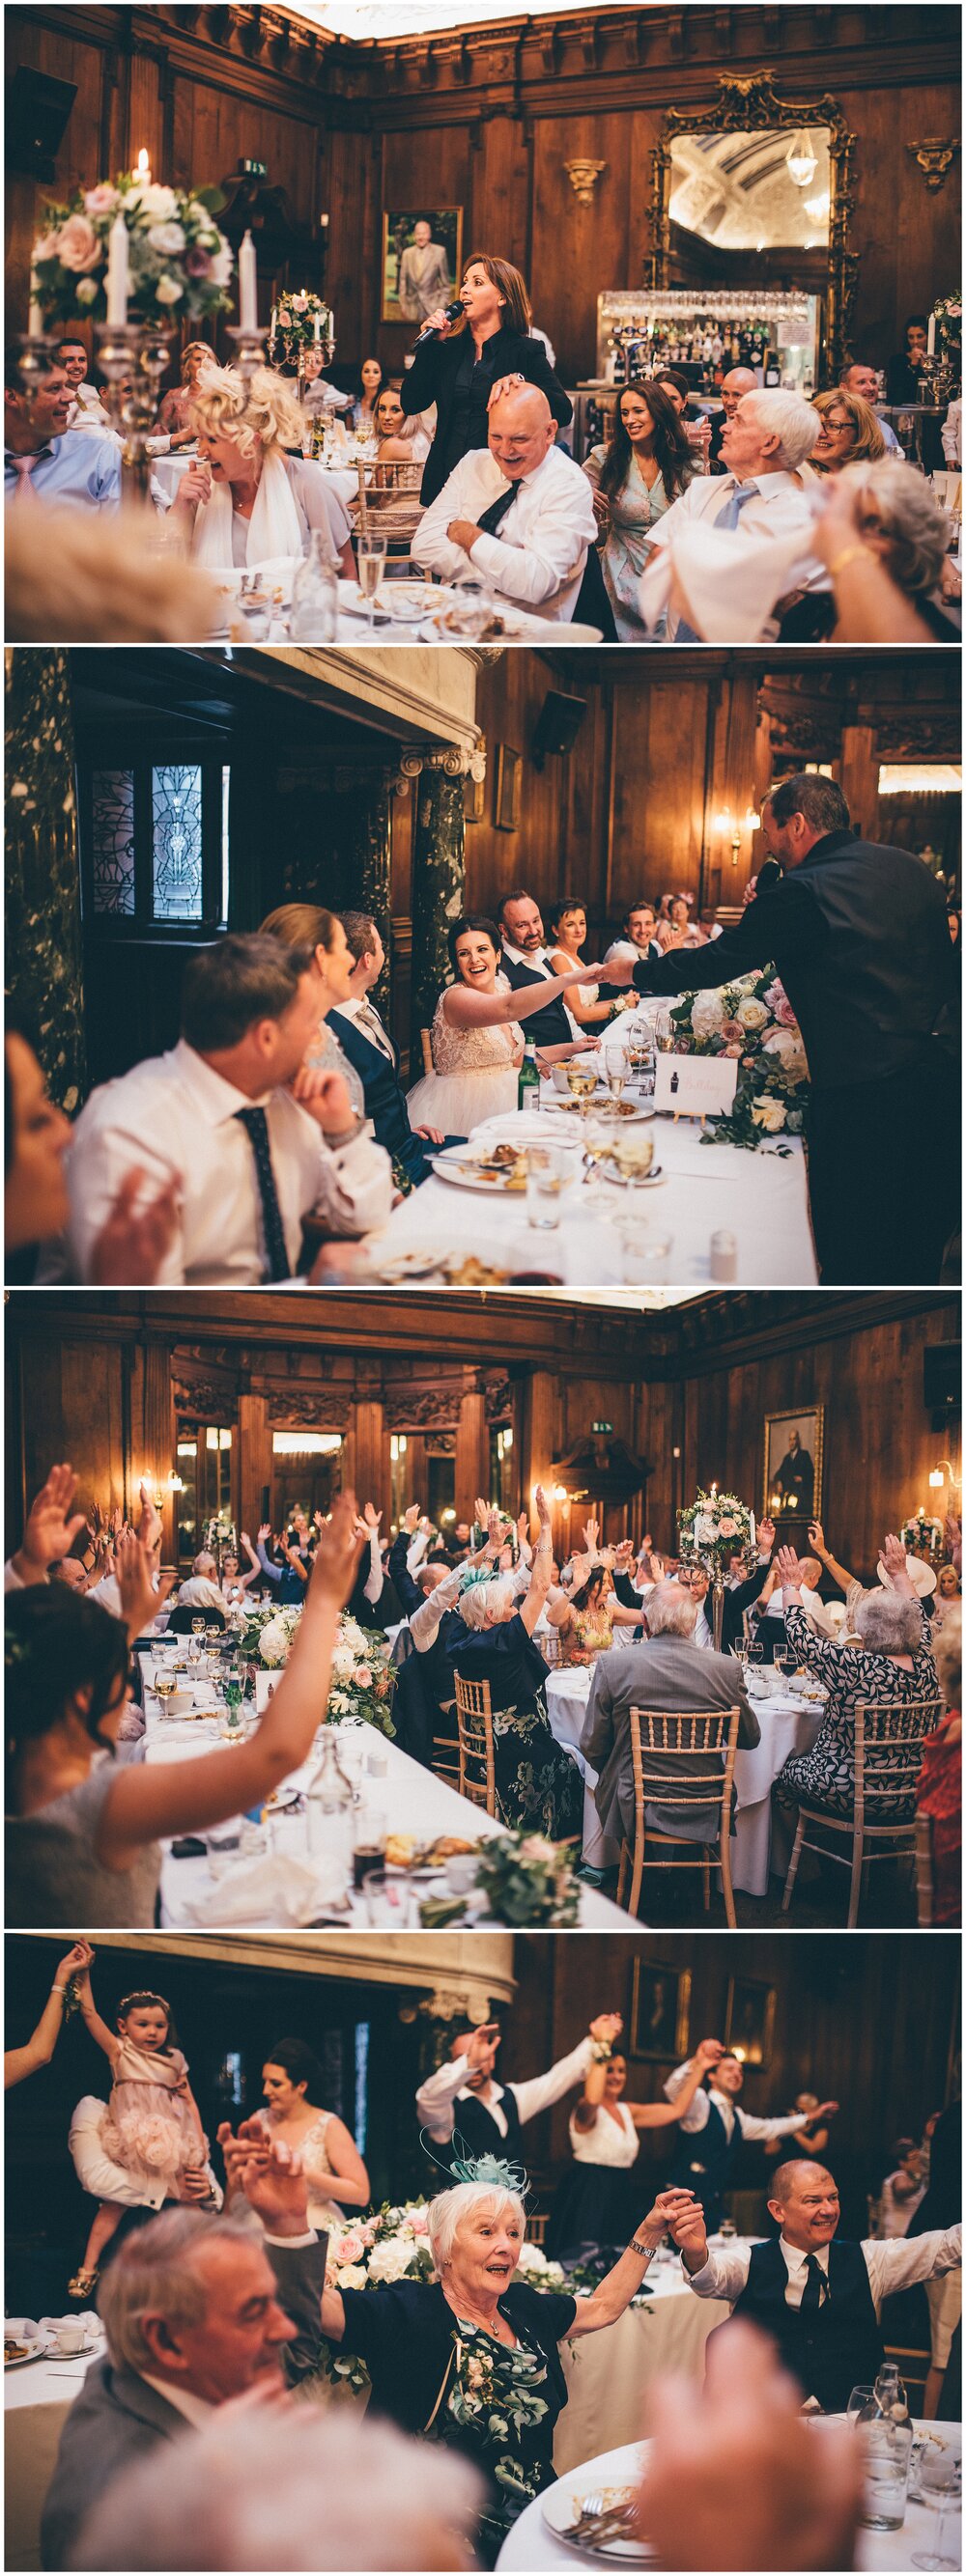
<point>726,518</point>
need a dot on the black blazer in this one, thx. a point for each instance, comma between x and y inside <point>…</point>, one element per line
<point>860,939</point>
<point>432,379</point>
<point>385,1104</point>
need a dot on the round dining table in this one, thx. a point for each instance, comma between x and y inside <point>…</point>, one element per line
<point>37,2398</point>
<point>532,2544</point>
<point>788,1724</point>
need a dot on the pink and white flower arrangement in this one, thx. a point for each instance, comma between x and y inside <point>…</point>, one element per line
<point>362,1674</point>
<point>715,1528</point>
<point>179,263</point>
<point>753,1022</point>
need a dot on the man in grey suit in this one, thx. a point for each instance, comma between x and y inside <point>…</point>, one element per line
<point>667,1672</point>
<point>196,2309</point>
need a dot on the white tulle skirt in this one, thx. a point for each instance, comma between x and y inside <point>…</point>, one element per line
<point>458,1102</point>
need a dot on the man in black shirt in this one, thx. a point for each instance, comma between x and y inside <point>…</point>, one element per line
<point>857,932</point>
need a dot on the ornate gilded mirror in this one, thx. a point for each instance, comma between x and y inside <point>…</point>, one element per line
<point>754,191</point>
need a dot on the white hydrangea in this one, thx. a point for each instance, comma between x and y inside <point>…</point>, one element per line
<point>157,203</point>
<point>274,1642</point>
<point>389,2262</point>
<point>707,1015</point>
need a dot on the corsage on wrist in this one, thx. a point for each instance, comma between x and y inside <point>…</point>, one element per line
<point>601,2051</point>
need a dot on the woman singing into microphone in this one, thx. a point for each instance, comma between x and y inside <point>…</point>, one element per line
<point>458,367</point>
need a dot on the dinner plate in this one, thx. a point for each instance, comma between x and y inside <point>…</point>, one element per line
<point>561,2506</point>
<point>286,1796</point>
<point>467,1176</point>
<point>35,2348</point>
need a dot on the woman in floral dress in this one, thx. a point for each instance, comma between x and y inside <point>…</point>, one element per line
<point>587,1621</point>
<point>472,2359</point>
<point>893,1661</point>
<point>538,1784</point>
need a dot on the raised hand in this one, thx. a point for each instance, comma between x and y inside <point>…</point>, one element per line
<point>607,2028</point>
<point>816,1537</point>
<point>371,1517</point>
<point>542,1506</point>
<point>660,2220</point>
<point>51,1526</point>
<point>790,1570</point>
<point>893,1554</point>
<point>141,1599</point>
<point>591,1535</point>
<point>479,2045</point>
<point>481,1512</point>
<point>766,1535</point>
<point>709,2052</point>
<point>77,1962</point>
<point>133,1242</point>
<point>270,2175</point>
<point>264,1533</point>
<point>688,2227</point>
<point>410,1517</point>
<point>337,1555</point>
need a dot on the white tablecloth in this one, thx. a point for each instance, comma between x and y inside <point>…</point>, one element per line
<point>607,2373</point>
<point>168,471</point>
<point>37,2400</point>
<point>413,1801</point>
<point>759,1198</point>
<point>531,2544</point>
<point>787,1726</point>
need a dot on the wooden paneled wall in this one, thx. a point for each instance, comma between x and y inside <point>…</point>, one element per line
<point>487,118</point>
<point>700,1383</point>
<point>857,2022</point>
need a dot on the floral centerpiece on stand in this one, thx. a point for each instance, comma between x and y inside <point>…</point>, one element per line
<point>362,1675</point>
<point>394,2246</point>
<point>753,1021</point>
<point>179,264</point>
<point>711,1531</point>
<point>522,1878</point>
<point>921,1535</point>
<point>300,322</point>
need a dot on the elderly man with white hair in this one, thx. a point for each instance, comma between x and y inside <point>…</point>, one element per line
<point>196,2310</point>
<point>518,512</point>
<point>202,1590</point>
<point>668,1672</point>
<point>767,436</point>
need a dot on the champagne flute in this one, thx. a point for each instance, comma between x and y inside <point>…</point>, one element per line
<point>371,558</point>
<point>615,1067</point>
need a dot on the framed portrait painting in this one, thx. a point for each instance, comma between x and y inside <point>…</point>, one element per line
<point>422,258</point>
<point>660,2010</point>
<point>750,2020</point>
<point>793,1464</point>
<point>506,793</point>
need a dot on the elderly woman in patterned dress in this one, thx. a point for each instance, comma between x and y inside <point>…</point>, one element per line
<point>538,1784</point>
<point>892,1661</point>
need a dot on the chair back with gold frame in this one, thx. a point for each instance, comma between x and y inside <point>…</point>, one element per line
<point>704,1742</point>
<point>474,1718</point>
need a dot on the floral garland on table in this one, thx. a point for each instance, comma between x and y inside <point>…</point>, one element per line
<point>921,1535</point>
<point>524,1878</point>
<point>394,2246</point>
<point>362,1674</point>
<point>751,1020</point>
<point>178,261</point>
<point>293,326</point>
<point>715,1528</point>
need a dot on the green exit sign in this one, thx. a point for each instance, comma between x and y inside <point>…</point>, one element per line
<point>253,169</point>
<point>602,1426</point>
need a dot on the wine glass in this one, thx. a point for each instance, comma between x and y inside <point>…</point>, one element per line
<point>615,1068</point>
<point>861,2407</point>
<point>198,1627</point>
<point>165,1686</point>
<point>581,1084</point>
<point>371,558</point>
<point>940,2490</point>
<point>664,1033</point>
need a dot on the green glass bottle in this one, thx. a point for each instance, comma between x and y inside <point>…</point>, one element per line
<point>529,1078</point>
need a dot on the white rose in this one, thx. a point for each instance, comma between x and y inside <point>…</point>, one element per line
<point>167,237</point>
<point>707,1015</point>
<point>751,1014</point>
<point>169,290</point>
<point>222,264</point>
<point>768,1114</point>
<point>351,2277</point>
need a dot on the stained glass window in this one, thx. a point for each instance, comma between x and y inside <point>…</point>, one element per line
<point>113,840</point>
<point>176,844</point>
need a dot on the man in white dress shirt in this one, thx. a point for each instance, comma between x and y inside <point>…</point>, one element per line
<point>717,2128</point>
<point>769,435</point>
<point>640,924</point>
<point>219,1118</point>
<point>462,2107</point>
<point>816,2294</point>
<point>519,512</point>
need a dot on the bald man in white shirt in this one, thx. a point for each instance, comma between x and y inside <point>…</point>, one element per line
<point>519,512</point>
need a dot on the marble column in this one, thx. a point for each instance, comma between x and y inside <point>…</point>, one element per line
<point>438,890</point>
<point>43,947</point>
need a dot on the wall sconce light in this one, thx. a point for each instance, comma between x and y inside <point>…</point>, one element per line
<point>731,827</point>
<point>938,1475</point>
<point>560,1494</point>
<point>175,1483</point>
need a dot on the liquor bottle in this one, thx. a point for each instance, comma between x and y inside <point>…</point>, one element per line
<point>528,1080</point>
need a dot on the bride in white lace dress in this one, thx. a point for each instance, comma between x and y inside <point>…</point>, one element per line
<point>477,1038</point>
<point>337,2178</point>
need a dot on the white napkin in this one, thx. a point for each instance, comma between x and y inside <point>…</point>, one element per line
<point>729,582</point>
<point>273,1889</point>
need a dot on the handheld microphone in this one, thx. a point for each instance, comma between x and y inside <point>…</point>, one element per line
<point>430,329</point>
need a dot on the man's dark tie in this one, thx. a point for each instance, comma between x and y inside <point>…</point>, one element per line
<point>816,2285</point>
<point>489,519</point>
<point>277,1260</point>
